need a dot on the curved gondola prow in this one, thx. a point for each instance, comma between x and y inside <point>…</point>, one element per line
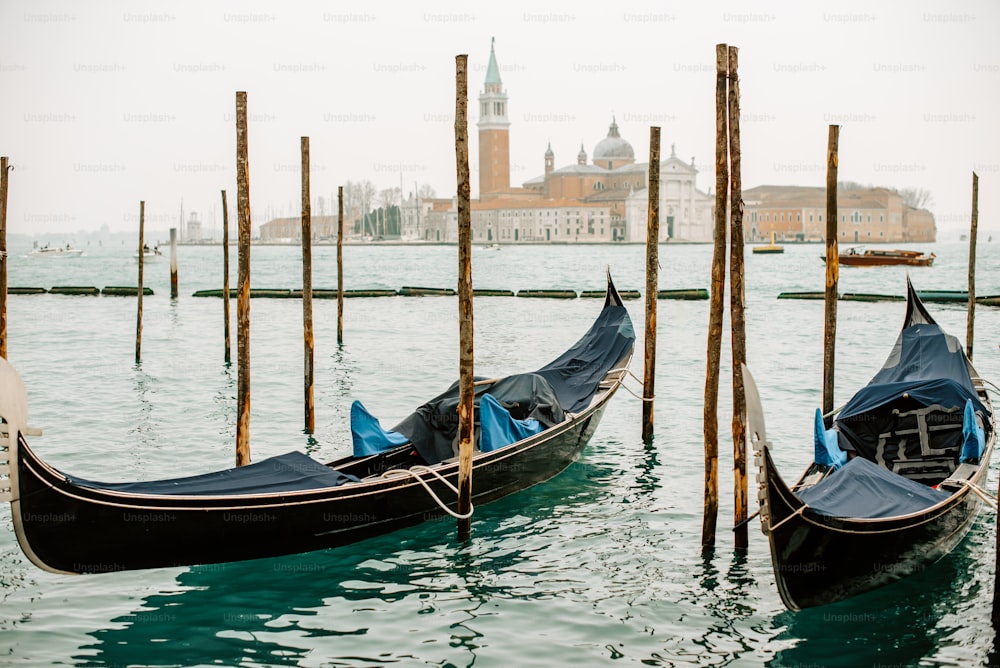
<point>14,412</point>
<point>916,312</point>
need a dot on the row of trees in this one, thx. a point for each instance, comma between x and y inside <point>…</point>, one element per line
<point>373,212</point>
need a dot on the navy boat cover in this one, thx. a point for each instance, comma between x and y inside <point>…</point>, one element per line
<point>926,368</point>
<point>566,384</point>
<point>863,489</point>
<point>292,471</point>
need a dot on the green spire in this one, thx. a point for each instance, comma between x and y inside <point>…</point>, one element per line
<point>492,71</point>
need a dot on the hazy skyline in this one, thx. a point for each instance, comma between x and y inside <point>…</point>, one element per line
<point>105,105</point>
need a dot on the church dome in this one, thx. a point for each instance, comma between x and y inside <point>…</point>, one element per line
<point>613,147</point>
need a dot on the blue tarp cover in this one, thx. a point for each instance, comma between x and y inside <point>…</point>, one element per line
<point>292,471</point>
<point>367,435</point>
<point>863,489</point>
<point>498,428</point>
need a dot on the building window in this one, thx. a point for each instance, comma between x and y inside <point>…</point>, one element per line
<point>821,218</point>
<point>810,218</point>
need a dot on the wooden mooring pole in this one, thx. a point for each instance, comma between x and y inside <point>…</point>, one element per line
<point>173,263</point>
<point>4,167</point>
<point>340,265</point>
<point>737,317</point>
<point>138,315</point>
<point>832,272</point>
<point>652,268</point>
<point>307,315</point>
<point>711,418</point>
<point>466,396</point>
<point>243,289</point>
<point>970,326</point>
<point>225,275</point>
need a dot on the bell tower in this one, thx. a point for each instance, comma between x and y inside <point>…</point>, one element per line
<point>494,133</point>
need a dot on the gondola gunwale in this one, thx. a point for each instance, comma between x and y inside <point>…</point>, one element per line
<point>387,503</point>
<point>372,483</point>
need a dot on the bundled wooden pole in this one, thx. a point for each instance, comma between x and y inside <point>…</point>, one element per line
<point>138,315</point>
<point>307,315</point>
<point>737,317</point>
<point>3,256</point>
<point>466,391</point>
<point>340,264</point>
<point>225,274</point>
<point>652,268</point>
<point>711,418</point>
<point>243,290</point>
<point>173,263</point>
<point>832,272</point>
<point>970,327</point>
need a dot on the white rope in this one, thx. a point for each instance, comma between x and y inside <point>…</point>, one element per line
<point>626,388</point>
<point>981,492</point>
<point>801,509</point>
<point>412,473</point>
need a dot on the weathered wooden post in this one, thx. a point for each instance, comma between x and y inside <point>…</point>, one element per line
<point>340,264</point>
<point>711,418</point>
<point>832,273</point>
<point>737,318</point>
<point>970,327</point>
<point>466,396</point>
<point>225,274</point>
<point>652,268</point>
<point>138,315</point>
<point>307,316</point>
<point>3,256</point>
<point>173,263</point>
<point>243,291</point>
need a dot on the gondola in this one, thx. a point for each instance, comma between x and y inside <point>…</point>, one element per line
<point>896,482</point>
<point>530,427</point>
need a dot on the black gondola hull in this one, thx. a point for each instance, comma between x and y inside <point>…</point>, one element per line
<point>819,560</point>
<point>76,529</point>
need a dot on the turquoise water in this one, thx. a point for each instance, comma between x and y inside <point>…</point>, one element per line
<point>600,565</point>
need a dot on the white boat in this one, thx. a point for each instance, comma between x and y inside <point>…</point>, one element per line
<point>148,253</point>
<point>57,251</point>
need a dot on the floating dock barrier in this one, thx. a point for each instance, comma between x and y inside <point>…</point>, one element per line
<point>410,291</point>
<point>548,294</point>
<point>125,291</point>
<point>802,295</point>
<point>689,293</point>
<point>489,292</point>
<point>74,290</point>
<point>624,294</point>
<point>865,297</point>
<point>26,291</point>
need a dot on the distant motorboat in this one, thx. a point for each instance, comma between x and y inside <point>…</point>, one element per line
<point>490,247</point>
<point>148,253</point>
<point>873,258</point>
<point>54,252</point>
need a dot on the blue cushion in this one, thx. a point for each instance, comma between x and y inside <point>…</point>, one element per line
<point>497,428</point>
<point>974,440</point>
<point>368,436</point>
<point>827,450</point>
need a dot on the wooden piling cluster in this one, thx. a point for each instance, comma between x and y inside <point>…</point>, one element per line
<point>728,202</point>
<point>173,263</point>
<point>340,265</point>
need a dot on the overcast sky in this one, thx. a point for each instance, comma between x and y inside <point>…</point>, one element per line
<point>105,104</point>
